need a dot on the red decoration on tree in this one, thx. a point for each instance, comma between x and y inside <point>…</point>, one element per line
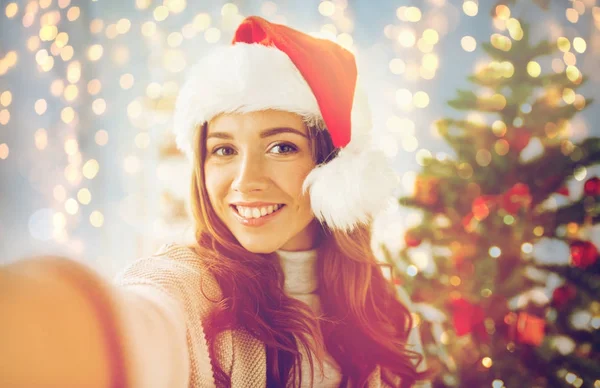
<point>563,191</point>
<point>519,139</point>
<point>563,294</point>
<point>467,318</point>
<point>525,328</point>
<point>481,206</point>
<point>583,253</point>
<point>411,239</point>
<point>592,186</point>
<point>469,223</point>
<point>512,201</point>
<point>530,329</point>
<point>516,197</point>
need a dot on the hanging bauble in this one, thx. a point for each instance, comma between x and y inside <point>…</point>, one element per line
<point>563,295</point>
<point>591,187</point>
<point>583,253</point>
<point>411,239</point>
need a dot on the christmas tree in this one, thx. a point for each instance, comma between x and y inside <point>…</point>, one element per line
<point>508,293</point>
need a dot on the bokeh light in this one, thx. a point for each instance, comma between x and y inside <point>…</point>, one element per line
<point>468,43</point>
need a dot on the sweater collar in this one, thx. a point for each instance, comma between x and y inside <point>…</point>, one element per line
<point>300,270</point>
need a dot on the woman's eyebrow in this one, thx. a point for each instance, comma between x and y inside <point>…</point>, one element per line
<point>265,133</point>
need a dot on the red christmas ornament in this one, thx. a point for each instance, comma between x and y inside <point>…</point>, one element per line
<point>563,191</point>
<point>411,239</point>
<point>469,223</point>
<point>481,207</point>
<point>467,317</point>
<point>592,187</point>
<point>563,294</point>
<point>520,139</point>
<point>530,329</point>
<point>516,197</point>
<point>583,253</point>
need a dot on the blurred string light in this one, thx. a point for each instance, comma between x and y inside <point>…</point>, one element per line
<point>84,196</point>
<point>41,139</point>
<point>101,137</point>
<point>468,43</point>
<point>486,362</point>
<point>4,151</point>
<point>97,219</point>
<point>470,8</point>
<point>415,34</point>
<point>409,14</point>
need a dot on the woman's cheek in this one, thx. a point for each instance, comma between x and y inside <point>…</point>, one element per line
<point>214,183</point>
<point>292,179</point>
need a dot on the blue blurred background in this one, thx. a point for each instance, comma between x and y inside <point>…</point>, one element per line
<point>88,166</point>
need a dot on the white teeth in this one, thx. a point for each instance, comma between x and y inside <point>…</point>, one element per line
<point>257,212</point>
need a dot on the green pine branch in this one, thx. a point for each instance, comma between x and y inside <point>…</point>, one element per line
<point>574,212</point>
<point>413,203</point>
<point>543,180</point>
<point>586,280</point>
<point>468,100</point>
<point>521,51</point>
<point>463,129</point>
<point>486,78</point>
<point>581,366</point>
<point>542,110</point>
<point>515,284</point>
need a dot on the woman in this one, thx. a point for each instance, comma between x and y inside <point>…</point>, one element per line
<point>281,288</point>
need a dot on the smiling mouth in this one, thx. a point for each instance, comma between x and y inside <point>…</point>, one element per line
<point>251,213</point>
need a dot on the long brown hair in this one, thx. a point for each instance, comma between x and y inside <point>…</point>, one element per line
<point>364,323</point>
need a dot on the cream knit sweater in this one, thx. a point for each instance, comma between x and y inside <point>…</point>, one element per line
<point>161,312</point>
<point>300,272</point>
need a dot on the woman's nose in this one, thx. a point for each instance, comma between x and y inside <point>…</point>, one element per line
<point>250,174</point>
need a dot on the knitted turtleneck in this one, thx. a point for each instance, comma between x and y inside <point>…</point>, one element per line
<point>301,282</point>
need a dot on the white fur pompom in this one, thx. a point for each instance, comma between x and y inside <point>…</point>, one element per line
<point>351,188</point>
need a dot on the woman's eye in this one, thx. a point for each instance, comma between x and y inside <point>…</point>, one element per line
<point>276,149</point>
<point>223,151</point>
<point>284,149</point>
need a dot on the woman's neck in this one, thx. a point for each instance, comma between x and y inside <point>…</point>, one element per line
<point>308,239</point>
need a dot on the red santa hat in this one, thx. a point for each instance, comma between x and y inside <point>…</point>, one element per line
<point>272,66</point>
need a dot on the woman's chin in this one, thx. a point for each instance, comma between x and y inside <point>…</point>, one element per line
<point>255,246</point>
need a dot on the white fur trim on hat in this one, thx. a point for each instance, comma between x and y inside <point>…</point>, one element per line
<point>241,78</point>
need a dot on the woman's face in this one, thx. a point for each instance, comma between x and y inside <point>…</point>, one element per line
<point>254,169</point>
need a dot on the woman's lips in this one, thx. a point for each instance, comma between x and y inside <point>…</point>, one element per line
<point>255,221</point>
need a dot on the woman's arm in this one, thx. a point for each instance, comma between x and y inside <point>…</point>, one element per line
<point>63,325</point>
<point>53,332</point>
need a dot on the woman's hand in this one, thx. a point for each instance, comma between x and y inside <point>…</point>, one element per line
<point>52,331</point>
